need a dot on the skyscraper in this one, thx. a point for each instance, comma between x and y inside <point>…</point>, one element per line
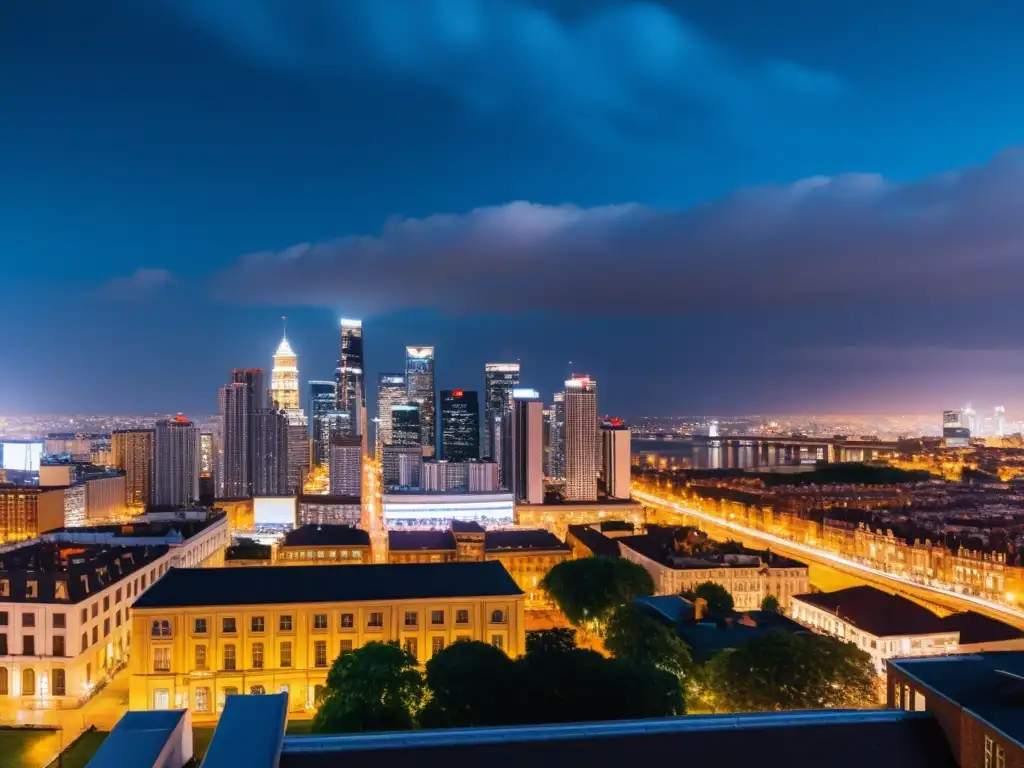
<point>284,377</point>
<point>235,407</point>
<point>1000,419</point>
<point>402,457</point>
<point>405,425</point>
<point>499,380</point>
<point>298,449</point>
<point>556,438</point>
<point>175,463</point>
<point>390,392</point>
<point>419,383</point>
<point>346,466</point>
<point>132,451</point>
<point>350,395</point>
<point>615,456</point>
<point>527,446</point>
<point>252,378</point>
<point>322,395</point>
<point>581,444</point>
<point>269,465</point>
<point>460,425</point>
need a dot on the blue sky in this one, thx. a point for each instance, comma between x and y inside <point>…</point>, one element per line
<point>711,207</point>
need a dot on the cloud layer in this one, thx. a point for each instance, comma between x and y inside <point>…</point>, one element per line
<point>140,284</point>
<point>821,242</point>
<point>629,68</point>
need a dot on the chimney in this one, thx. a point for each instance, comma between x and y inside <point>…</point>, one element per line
<point>700,609</point>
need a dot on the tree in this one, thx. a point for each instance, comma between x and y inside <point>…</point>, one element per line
<point>780,670</point>
<point>550,640</point>
<point>770,604</point>
<point>715,595</point>
<point>589,589</point>
<point>471,683</point>
<point>375,688</point>
<point>633,635</point>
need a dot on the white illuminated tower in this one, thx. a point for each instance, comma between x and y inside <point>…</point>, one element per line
<point>581,442</point>
<point>284,377</point>
<point>419,384</point>
<point>350,381</point>
<point>1000,421</point>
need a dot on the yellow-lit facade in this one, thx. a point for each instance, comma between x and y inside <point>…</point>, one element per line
<point>26,512</point>
<point>528,567</point>
<point>241,513</point>
<point>330,554</point>
<point>195,657</point>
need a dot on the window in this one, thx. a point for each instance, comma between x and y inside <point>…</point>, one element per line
<point>497,617</point>
<point>28,683</point>
<point>988,752</point>
<point>412,619</point>
<point>410,645</point>
<point>348,621</point>
<point>200,657</point>
<point>4,685</point>
<point>346,646</point>
<point>229,657</point>
<point>320,653</point>
<point>60,621</point>
<point>257,690</point>
<point>117,595</point>
<point>3,618</point>
<point>160,628</point>
<point>437,618</point>
<point>320,621</point>
<point>285,624</point>
<point>85,615</point>
<point>286,654</point>
<point>162,659</point>
<point>85,641</point>
<point>202,699</point>
<point>95,609</point>
<point>375,620</point>
<point>199,627</point>
<point>95,635</point>
<point>106,627</point>
<point>436,646</point>
<point>256,625</point>
<point>1000,757</point>
<point>117,618</point>
<point>462,638</point>
<point>28,645</point>
<point>60,683</point>
<point>498,642</point>
<point>257,655</point>
<point>28,619</point>
<point>31,589</point>
<point>462,616</point>
<point>106,603</point>
<point>227,626</point>
<point>58,645</point>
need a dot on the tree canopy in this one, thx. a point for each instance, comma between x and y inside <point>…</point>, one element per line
<point>770,603</point>
<point>471,683</point>
<point>589,589</point>
<point>717,597</point>
<point>780,670</point>
<point>545,640</point>
<point>633,635</point>
<point>375,688</point>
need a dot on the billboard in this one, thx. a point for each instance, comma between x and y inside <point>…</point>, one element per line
<point>22,456</point>
<point>274,511</point>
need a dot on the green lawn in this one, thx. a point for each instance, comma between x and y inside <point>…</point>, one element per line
<point>83,749</point>
<point>27,747</point>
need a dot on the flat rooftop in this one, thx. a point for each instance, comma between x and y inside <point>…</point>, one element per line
<point>519,540</point>
<point>326,536</point>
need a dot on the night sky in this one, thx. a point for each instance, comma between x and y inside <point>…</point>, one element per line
<point>712,207</point>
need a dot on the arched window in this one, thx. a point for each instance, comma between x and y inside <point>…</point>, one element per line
<point>497,617</point>
<point>257,690</point>
<point>3,681</point>
<point>59,683</point>
<point>28,683</point>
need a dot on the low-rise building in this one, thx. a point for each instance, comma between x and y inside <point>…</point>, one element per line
<point>527,556</point>
<point>597,539</point>
<point>199,636</point>
<point>324,545</point>
<point>422,547</point>
<point>558,516</point>
<point>329,510</point>
<point>470,539</point>
<point>248,552</point>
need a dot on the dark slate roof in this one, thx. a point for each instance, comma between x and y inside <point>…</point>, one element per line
<point>595,541</point>
<point>879,739</point>
<point>976,628</point>
<point>706,638</point>
<point>421,540</point>
<point>503,541</point>
<point>326,536</point>
<point>466,526</point>
<point>879,613</point>
<point>339,500</point>
<point>991,685</point>
<point>269,585</point>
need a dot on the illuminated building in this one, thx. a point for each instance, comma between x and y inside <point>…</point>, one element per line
<point>436,510</point>
<point>483,477</point>
<point>201,635</point>
<point>460,425</point>
<point>350,392</point>
<point>132,451</point>
<point>970,419</point>
<point>175,463</point>
<point>324,545</point>
<point>422,547</point>
<point>955,432</point>
<point>1000,420</point>
<point>525,457</point>
<point>527,555</point>
<point>558,517</point>
<point>27,511</point>
<point>401,466</point>
<point>235,402</point>
<point>270,453</point>
<point>252,378</point>
<point>405,425</point>
<point>322,395</point>
<point>440,475</point>
<point>616,459</point>
<point>21,455</point>
<point>329,510</point>
<point>346,466</point>
<point>499,380</point>
<point>298,449</point>
<point>390,392</point>
<point>419,384</point>
<point>284,378</point>
<point>581,445</point>
<point>207,454</point>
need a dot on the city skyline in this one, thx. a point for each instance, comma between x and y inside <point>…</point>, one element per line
<point>517,212</point>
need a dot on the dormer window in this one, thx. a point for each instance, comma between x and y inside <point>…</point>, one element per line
<point>31,590</point>
<point>5,588</point>
<point>60,590</point>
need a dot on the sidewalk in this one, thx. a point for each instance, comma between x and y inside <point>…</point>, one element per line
<point>103,710</point>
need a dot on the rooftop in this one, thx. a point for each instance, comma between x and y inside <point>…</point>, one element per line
<point>270,585</point>
<point>879,613</point>
<point>594,540</point>
<point>466,526</point>
<point>421,540</point>
<point>316,499</point>
<point>976,628</point>
<point>661,549</point>
<point>326,536</point>
<point>503,541</point>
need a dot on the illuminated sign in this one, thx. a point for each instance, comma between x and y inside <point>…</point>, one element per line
<point>274,510</point>
<point>501,367</point>
<point>23,457</point>
<point>522,393</point>
<point>457,393</point>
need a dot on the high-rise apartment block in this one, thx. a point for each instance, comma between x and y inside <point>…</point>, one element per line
<point>581,444</point>
<point>556,438</point>
<point>526,437</point>
<point>350,395</point>
<point>175,463</point>
<point>322,395</point>
<point>616,460</point>
<point>390,392</point>
<point>235,406</point>
<point>499,381</point>
<point>419,383</point>
<point>132,451</point>
<point>298,449</point>
<point>346,466</point>
<point>460,425</point>
<point>270,453</point>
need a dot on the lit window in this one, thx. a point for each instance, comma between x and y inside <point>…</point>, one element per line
<point>411,645</point>
<point>320,653</point>
<point>200,657</point>
<point>320,621</point>
<point>347,621</point>
<point>498,642</point>
<point>346,646</point>
<point>375,620</point>
<point>162,659</point>
<point>436,645</point>
<point>202,699</point>
<point>437,618</point>
<point>462,616</point>
<point>229,657</point>
<point>412,619</point>
<point>257,655</point>
<point>257,690</point>
<point>286,654</point>
<point>256,625</point>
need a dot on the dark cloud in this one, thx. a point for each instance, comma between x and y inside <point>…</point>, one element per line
<point>821,242</point>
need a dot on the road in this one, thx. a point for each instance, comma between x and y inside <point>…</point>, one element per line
<point>835,570</point>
